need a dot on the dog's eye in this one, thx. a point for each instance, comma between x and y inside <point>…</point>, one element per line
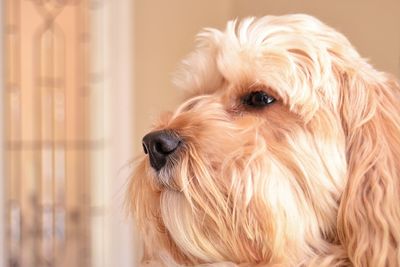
<point>258,99</point>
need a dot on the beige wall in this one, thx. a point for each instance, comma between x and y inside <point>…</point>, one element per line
<point>373,27</point>
<point>164,32</point>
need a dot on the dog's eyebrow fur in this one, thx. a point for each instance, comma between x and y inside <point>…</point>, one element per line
<point>287,54</point>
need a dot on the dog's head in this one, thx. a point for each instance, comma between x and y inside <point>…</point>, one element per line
<point>286,151</point>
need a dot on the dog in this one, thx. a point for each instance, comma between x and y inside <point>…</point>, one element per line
<point>285,153</point>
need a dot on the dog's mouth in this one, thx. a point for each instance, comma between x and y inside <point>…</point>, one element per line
<point>166,177</point>
<point>165,170</point>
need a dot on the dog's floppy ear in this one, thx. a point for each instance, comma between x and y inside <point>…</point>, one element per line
<point>369,212</point>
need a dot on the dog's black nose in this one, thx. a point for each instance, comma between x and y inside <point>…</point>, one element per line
<point>159,145</point>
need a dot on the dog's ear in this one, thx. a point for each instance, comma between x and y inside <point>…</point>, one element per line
<point>369,212</point>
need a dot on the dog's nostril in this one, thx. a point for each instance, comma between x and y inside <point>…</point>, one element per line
<point>159,145</point>
<point>144,148</point>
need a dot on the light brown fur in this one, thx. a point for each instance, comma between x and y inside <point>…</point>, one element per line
<point>311,180</point>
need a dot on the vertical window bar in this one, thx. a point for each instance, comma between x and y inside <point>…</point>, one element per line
<point>13,134</point>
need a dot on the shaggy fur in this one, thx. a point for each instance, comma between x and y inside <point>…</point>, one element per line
<point>311,180</point>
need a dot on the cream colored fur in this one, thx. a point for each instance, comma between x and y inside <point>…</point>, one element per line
<point>311,180</point>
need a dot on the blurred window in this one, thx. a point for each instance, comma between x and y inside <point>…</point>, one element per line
<point>55,184</point>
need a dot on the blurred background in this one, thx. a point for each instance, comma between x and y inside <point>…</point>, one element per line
<point>81,82</point>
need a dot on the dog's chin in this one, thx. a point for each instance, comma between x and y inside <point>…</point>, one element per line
<point>166,177</point>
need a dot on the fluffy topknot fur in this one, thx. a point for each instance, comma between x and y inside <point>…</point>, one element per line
<point>310,180</point>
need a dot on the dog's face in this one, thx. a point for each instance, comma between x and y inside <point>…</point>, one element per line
<point>252,166</point>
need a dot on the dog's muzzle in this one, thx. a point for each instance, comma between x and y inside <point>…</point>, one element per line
<point>160,145</point>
